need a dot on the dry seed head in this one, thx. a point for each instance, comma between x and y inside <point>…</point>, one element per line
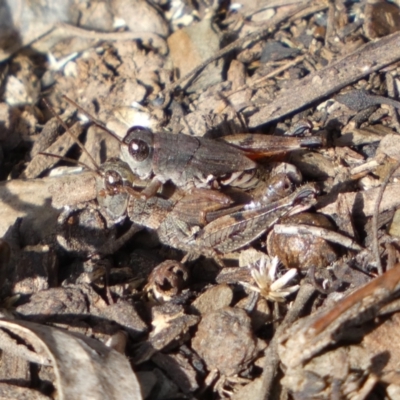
<point>264,273</point>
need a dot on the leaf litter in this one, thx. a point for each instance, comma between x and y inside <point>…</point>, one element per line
<point>307,308</point>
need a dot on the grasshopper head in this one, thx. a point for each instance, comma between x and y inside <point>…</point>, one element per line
<point>137,151</point>
<point>115,175</point>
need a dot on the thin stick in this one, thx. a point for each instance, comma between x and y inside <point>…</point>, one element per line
<point>112,246</point>
<point>156,40</point>
<point>330,79</point>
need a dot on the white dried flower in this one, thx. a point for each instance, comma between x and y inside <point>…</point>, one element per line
<point>264,273</point>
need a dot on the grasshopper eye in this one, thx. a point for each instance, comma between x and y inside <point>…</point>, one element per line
<point>113,181</point>
<point>138,149</point>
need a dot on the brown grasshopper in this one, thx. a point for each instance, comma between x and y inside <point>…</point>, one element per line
<point>187,161</point>
<point>199,221</point>
<point>202,221</point>
<point>190,161</point>
<point>215,230</point>
<point>181,214</point>
<point>201,162</point>
<point>196,220</point>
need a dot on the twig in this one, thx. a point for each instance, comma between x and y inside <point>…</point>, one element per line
<point>374,222</point>
<point>320,84</point>
<point>363,169</point>
<point>277,71</point>
<point>271,354</point>
<point>114,245</point>
<point>149,37</point>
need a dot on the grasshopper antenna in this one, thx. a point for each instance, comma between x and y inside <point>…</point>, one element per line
<point>64,125</point>
<point>71,160</point>
<point>92,118</point>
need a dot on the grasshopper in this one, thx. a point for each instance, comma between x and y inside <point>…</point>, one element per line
<point>187,161</point>
<point>191,219</point>
<point>200,162</point>
<point>112,195</point>
<point>214,230</point>
<point>194,165</point>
